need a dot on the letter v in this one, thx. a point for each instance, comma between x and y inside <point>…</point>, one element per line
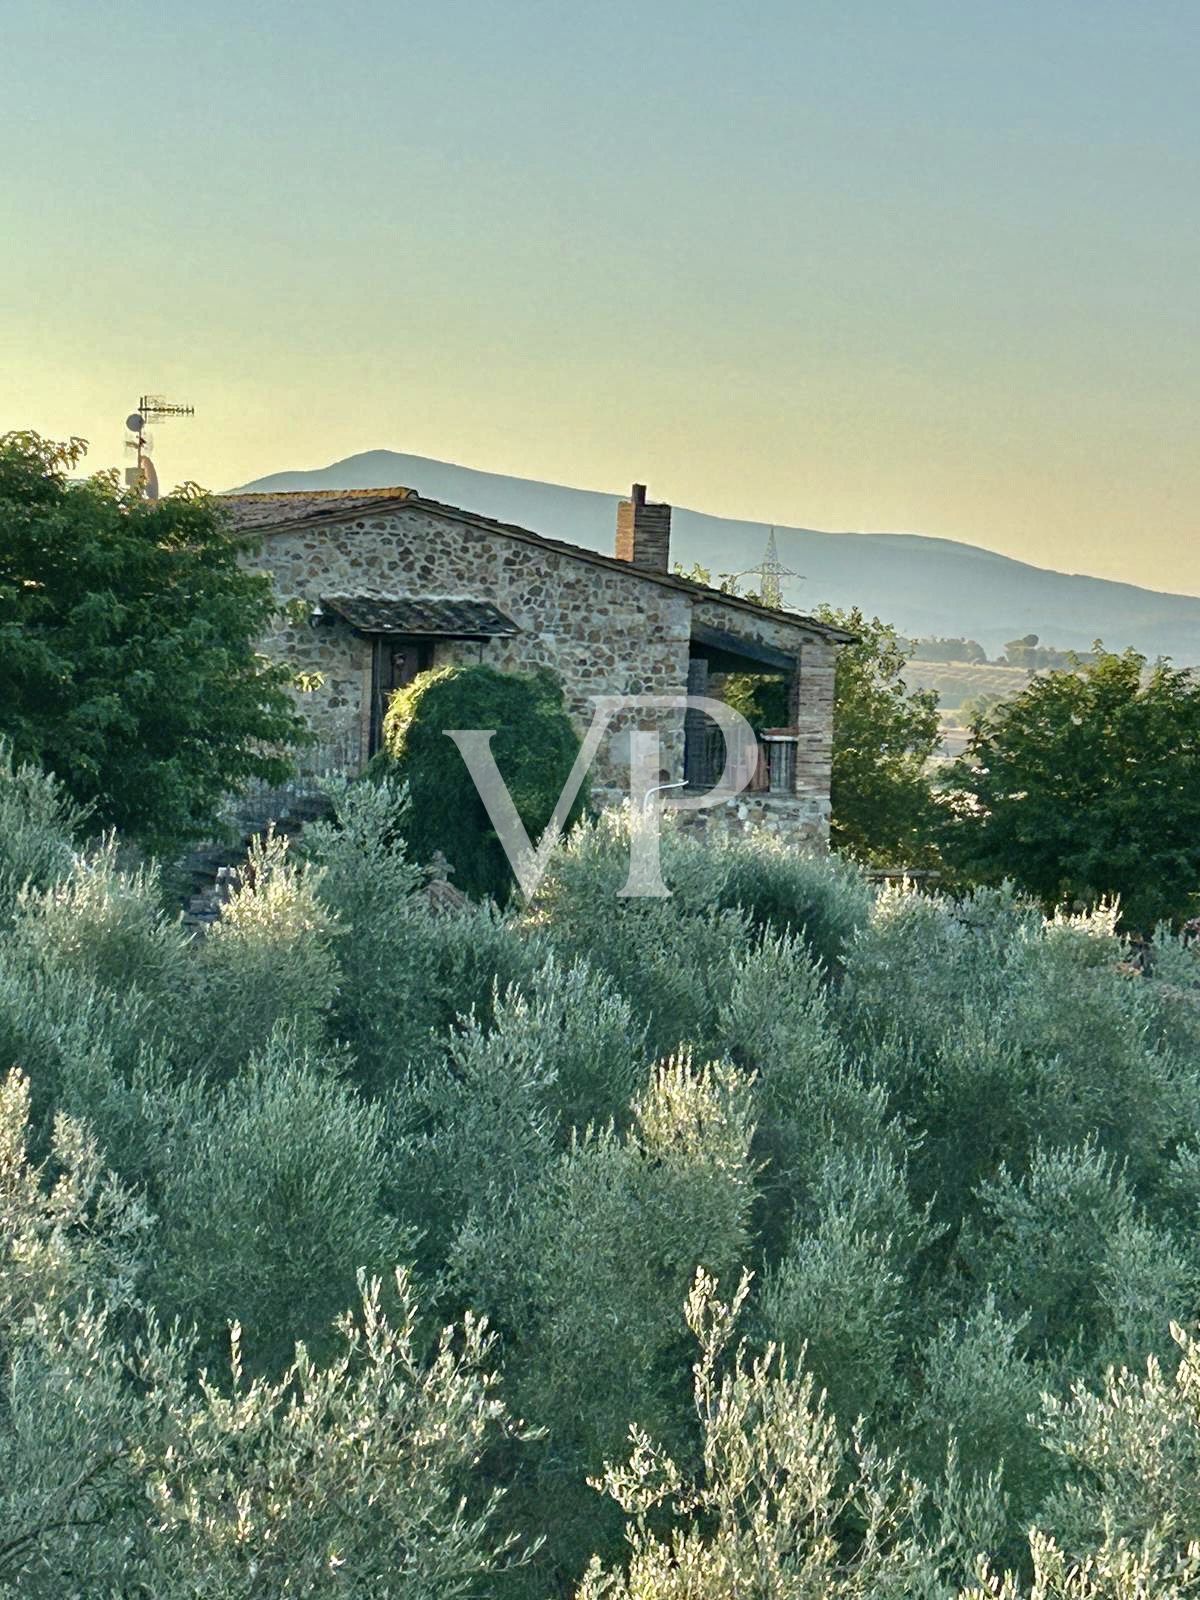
<point>475,747</point>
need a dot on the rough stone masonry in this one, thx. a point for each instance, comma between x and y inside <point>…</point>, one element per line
<point>390,583</point>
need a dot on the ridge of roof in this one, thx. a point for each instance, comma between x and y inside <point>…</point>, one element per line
<point>359,500</point>
<point>396,492</point>
<point>259,510</point>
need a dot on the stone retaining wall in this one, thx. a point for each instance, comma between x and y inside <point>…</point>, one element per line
<point>797,817</point>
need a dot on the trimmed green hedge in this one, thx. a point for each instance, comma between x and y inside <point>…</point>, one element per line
<point>535,746</point>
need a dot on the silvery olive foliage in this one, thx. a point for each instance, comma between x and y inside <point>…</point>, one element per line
<point>38,826</point>
<point>785,1238</point>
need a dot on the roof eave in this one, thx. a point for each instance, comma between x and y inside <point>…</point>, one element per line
<point>613,563</point>
<point>575,552</point>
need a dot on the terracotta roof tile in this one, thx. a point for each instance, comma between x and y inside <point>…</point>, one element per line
<point>446,619</point>
<point>248,511</point>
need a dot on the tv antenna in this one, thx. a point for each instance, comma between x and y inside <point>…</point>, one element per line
<point>150,408</point>
<point>770,573</point>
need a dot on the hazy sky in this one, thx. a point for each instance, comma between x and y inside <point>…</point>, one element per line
<point>929,265</point>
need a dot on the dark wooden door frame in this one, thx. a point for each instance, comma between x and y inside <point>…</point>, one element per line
<point>383,648</point>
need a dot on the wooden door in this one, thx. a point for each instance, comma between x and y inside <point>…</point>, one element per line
<point>396,661</point>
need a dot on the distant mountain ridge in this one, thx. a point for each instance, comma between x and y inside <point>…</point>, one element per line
<point>923,585</point>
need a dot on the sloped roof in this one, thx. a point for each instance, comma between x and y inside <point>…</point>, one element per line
<point>270,513</point>
<point>250,511</point>
<point>445,619</point>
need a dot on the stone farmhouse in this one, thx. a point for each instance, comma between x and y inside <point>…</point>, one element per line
<point>391,584</point>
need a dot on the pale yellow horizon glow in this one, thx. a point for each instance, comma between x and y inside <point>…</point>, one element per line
<point>931,268</point>
<point>995,482</point>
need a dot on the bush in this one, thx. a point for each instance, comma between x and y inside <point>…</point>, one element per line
<point>1130,1455</point>
<point>272,1201</point>
<point>976,1412</point>
<point>80,1236</point>
<point>991,1029</point>
<point>764,1513</point>
<point>768,1511</point>
<point>1042,1242</point>
<point>570,1024</point>
<point>535,746</point>
<point>823,900</point>
<point>121,1476</point>
<point>842,1300</point>
<point>811,1100</point>
<point>107,927</point>
<point>672,959</point>
<point>475,954</point>
<point>560,1052</point>
<point>474,1129</point>
<point>1174,993</point>
<point>585,1274</point>
<point>1146,1277</point>
<point>38,826</point>
<point>952,1143</point>
<point>268,962</point>
<point>368,888</point>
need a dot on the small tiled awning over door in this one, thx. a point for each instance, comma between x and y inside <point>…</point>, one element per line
<point>403,633</point>
<point>422,618</point>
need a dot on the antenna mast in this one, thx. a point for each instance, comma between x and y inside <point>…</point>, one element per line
<point>150,408</point>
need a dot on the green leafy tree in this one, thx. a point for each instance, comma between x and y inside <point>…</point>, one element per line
<point>1087,784</point>
<point>535,748</point>
<point>127,646</point>
<point>1022,652</point>
<point>727,582</point>
<point>776,1487</point>
<point>1029,653</point>
<point>939,649</point>
<point>883,737</point>
<point>977,707</point>
<point>761,698</point>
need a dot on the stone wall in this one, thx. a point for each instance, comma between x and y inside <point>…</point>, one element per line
<point>812,717</point>
<point>799,818</point>
<point>811,710</point>
<point>603,631</point>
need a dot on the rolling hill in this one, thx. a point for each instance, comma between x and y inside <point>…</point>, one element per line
<point>922,585</point>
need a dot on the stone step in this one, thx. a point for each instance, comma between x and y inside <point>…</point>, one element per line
<point>212,868</point>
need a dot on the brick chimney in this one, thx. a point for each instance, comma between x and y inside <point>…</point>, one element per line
<point>644,532</point>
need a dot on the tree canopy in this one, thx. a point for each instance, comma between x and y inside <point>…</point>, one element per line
<point>535,748</point>
<point>1086,784</point>
<point>1028,652</point>
<point>783,1238</point>
<point>883,736</point>
<point>127,646</point>
<point>936,648</point>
